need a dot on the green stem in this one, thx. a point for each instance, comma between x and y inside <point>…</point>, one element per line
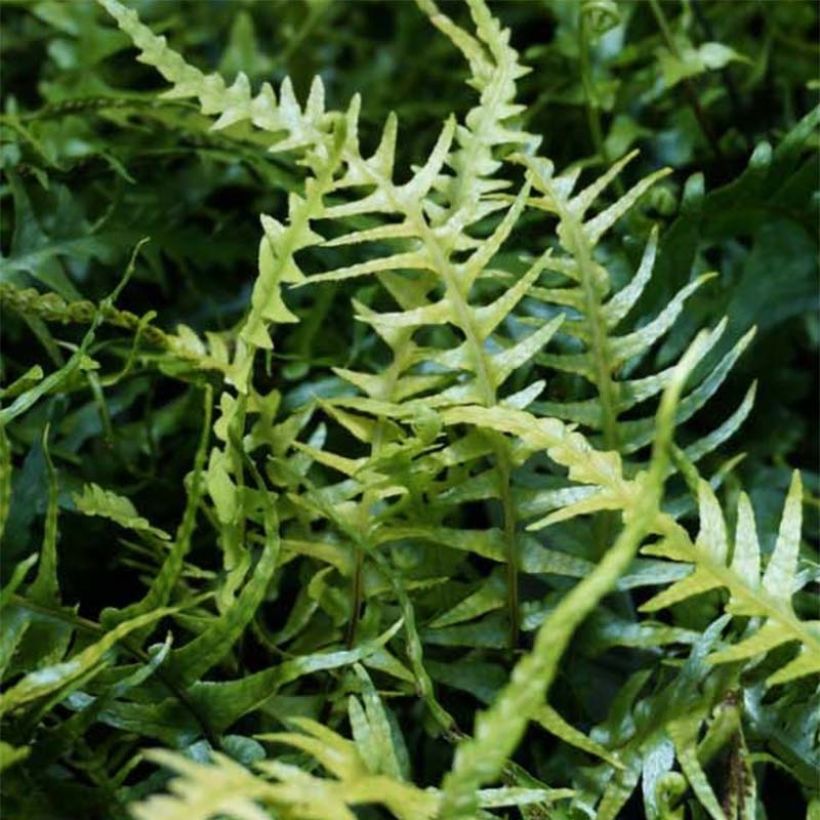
<point>592,108</point>
<point>722,730</point>
<point>599,339</point>
<point>510,520</point>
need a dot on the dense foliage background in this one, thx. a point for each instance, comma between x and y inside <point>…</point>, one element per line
<point>94,161</point>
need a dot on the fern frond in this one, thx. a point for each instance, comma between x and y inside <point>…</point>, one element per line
<point>498,730</point>
<point>432,215</point>
<point>767,597</point>
<point>320,137</point>
<point>587,290</point>
<point>357,778</point>
<point>188,348</point>
<point>294,126</point>
<point>97,501</point>
<point>366,545</point>
<point>750,596</point>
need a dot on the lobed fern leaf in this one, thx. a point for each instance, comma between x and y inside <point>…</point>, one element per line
<point>766,597</point>
<point>587,290</point>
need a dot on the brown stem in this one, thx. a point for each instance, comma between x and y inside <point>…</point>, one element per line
<point>356,599</point>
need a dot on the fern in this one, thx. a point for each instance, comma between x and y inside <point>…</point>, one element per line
<point>446,450</point>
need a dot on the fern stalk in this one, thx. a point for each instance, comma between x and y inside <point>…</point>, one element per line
<point>599,338</point>
<point>593,109</point>
<point>599,341</point>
